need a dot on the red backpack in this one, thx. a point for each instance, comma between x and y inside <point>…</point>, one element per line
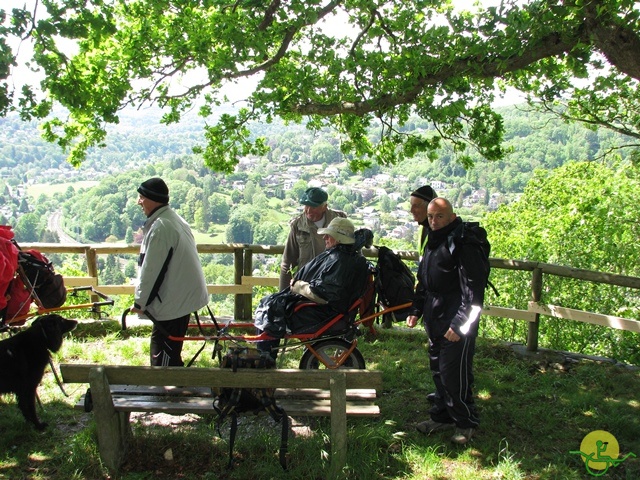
<point>44,286</point>
<point>8,262</point>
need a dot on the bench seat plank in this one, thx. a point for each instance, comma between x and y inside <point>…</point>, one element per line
<point>204,405</point>
<point>161,390</point>
<point>352,393</point>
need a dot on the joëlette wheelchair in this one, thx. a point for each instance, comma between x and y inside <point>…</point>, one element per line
<point>332,344</point>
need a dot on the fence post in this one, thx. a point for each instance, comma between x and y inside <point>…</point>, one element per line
<point>238,268</point>
<point>92,263</point>
<point>91,258</point>
<point>247,271</point>
<point>536,295</point>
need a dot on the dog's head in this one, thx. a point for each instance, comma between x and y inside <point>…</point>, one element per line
<point>53,327</point>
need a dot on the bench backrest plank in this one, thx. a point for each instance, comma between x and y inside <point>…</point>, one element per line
<point>219,377</point>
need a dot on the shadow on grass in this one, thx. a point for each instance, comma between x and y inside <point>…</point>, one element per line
<point>534,412</point>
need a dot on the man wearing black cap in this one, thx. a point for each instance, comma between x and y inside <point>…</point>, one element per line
<point>304,242</point>
<point>171,283</point>
<point>419,201</point>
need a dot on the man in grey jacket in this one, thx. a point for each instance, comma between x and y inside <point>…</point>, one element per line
<point>171,284</point>
<point>304,243</point>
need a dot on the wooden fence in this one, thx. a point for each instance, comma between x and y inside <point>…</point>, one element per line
<point>244,281</point>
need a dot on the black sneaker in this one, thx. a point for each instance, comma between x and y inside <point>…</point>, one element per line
<point>429,426</point>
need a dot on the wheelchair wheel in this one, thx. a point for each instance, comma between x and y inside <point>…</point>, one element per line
<point>331,350</point>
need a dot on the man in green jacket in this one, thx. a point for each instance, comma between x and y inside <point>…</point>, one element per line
<point>304,243</point>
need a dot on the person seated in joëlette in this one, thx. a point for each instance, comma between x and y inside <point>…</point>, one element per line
<point>333,281</point>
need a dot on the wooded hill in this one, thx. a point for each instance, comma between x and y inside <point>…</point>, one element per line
<point>139,147</point>
<point>561,201</point>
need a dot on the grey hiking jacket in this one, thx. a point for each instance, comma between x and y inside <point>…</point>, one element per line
<point>171,283</point>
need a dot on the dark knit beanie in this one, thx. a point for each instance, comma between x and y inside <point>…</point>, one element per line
<point>426,193</point>
<point>155,189</point>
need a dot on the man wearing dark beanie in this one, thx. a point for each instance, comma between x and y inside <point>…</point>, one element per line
<point>419,201</point>
<point>171,283</point>
<point>155,189</point>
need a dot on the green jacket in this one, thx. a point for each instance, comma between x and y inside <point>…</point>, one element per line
<point>303,244</point>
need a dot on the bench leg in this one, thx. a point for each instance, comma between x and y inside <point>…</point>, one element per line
<point>112,427</point>
<point>338,394</point>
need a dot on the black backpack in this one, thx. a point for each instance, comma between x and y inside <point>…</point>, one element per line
<point>47,284</point>
<point>395,283</point>
<point>232,401</point>
<point>471,233</point>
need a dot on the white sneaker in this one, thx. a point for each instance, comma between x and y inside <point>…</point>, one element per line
<point>462,435</point>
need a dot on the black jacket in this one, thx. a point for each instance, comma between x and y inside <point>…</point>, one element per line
<point>451,280</point>
<point>337,275</point>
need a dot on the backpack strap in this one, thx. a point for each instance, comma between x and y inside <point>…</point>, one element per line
<point>229,409</point>
<point>232,438</point>
<point>493,287</point>
<point>284,441</point>
<point>156,286</point>
<point>230,406</point>
<point>204,344</point>
<point>280,416</point>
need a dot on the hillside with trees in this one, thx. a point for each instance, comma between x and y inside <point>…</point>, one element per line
<point>218,204</point>
<point>581,215</point>
<point>563,198</point>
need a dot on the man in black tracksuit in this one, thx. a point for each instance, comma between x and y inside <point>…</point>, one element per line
<point>449,298</point>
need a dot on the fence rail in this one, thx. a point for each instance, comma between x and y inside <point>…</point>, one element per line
<point>244,281</point>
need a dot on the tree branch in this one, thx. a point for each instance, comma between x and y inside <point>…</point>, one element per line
<point>592,119</point>
<point>286,41</point>
<point>268,15</point>
<point>490,67</point>
<point>617,42</point>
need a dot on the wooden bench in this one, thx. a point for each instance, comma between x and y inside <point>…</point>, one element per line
<point>118,390</point>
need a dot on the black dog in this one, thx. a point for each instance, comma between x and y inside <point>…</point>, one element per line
<point>24,357</point>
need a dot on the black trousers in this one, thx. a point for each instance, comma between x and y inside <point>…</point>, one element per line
<point>164,351</point>
<point>451,366</point>
<point>306,320</point>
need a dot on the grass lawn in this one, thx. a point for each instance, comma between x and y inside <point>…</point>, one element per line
<point>217,236</point>
<point>535,412</point>
<point>35,190</point>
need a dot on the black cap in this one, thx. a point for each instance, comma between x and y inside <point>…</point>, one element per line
<point>155,189</point>
<point>426,193</point>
